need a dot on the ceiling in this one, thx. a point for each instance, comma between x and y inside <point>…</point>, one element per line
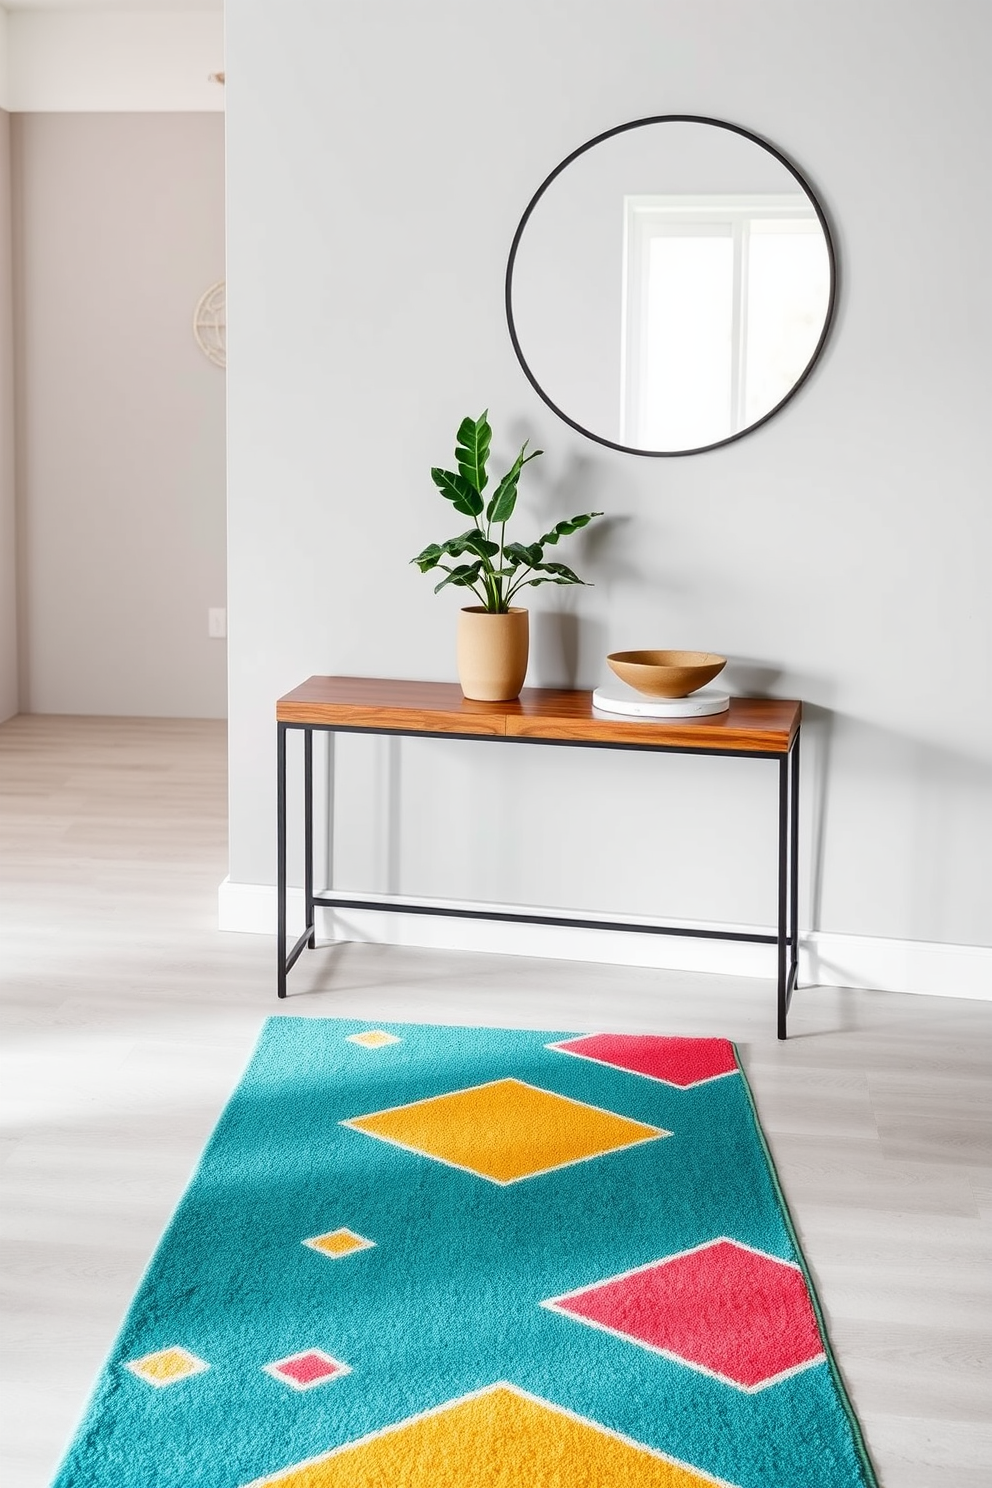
<point>116,5</point>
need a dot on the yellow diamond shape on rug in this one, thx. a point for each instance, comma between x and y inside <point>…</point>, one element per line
<point>500,1438</point>
<point>338,1243</point>
<point>506,1130</point>
<point>375,1038</point>
<point>167,1366</point>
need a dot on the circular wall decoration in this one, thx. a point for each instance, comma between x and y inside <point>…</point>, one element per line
<point>210,323</point>
<point>670,285</point>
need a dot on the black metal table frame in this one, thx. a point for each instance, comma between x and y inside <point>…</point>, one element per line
<point>785,939</point>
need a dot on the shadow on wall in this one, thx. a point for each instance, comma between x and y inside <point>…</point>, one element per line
<point>919,860</point>
<point>929,850</point>
<point>936,889</point>
<point>565,647</point>
<point>941,895</point>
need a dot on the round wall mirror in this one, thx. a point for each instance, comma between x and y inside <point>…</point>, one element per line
<point>670,285</point>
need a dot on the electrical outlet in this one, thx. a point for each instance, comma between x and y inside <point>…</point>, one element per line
<point>217,624</point>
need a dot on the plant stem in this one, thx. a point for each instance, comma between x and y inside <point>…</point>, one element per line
<point>519,583</point>
<point>502,543</point>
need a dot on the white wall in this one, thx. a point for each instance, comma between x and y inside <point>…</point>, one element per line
<point>121,442</point>
<point>379,158</point>
<point>100,59</point>
<point>8,547</point>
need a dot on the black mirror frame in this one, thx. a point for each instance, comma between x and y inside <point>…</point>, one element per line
<point>622,129</point>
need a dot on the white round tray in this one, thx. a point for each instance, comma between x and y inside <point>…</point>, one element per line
<point>617,697</point>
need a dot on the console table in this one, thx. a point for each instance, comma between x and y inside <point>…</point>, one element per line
<point>753,728</point>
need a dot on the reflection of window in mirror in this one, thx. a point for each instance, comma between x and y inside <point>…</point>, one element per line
<point>723,302</point>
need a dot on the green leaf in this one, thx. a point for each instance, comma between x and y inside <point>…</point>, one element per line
<point>473,541</point>
<point>501,506</point>
<point>548,579</point>
<point>457,490</point>
<point>474,438</point>
<point>428,558</point>
<point>561,574</point>
<point>477,542</point>
<point>519,554</point>
<point>565,529</point>
<point>463,577</point>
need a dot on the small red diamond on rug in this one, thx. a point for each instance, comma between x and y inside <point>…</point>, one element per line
<point>303,1371</point>
<point>723,1308</point>
<point>676,1061</point>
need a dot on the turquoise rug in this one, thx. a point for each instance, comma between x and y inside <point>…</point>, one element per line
<point>425,1257</point>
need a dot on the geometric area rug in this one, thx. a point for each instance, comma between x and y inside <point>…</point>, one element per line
<point>435,1257</point>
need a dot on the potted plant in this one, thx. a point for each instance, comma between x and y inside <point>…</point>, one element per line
<point>493,636</point>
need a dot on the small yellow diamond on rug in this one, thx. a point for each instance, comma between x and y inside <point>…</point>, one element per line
<point>166,1366</point>
<point>339,1243</point>
<point>376,1038</point>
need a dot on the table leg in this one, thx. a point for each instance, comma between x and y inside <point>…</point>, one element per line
<point>783,893</point>
<point>308,908</point>
<point>794,873</point>
<point>281,857</point>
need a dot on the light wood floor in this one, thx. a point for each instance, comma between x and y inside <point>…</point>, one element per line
<point>129,1018</point>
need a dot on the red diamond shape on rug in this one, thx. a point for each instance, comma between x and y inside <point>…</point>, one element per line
<point>303,1371</point>
<point>722,1308</point>
<point>676,1061</point>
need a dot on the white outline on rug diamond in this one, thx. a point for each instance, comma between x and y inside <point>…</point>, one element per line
<point>559,1048</point>
<point>373,1038</point>
<point>338,1372</point>
<point>272,1480</point>
<point>361,1243</point>
<point>551,1303</point>
<point>656,1132</point>
<point>192,1363</point>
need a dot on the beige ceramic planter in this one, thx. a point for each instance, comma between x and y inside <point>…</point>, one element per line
<point>492,653</point>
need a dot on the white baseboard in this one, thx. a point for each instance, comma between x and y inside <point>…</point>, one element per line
<point>825,959</point>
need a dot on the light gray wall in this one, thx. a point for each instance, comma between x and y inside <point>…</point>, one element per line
<point>379,158</point>
<point>121,443</point>
<point>8,564</point>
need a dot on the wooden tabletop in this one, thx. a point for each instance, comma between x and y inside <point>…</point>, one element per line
<point>751,725</point>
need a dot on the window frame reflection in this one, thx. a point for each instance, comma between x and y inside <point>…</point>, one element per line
<point>646,364</point>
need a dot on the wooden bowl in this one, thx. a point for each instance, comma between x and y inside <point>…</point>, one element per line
<point>666,674</point>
